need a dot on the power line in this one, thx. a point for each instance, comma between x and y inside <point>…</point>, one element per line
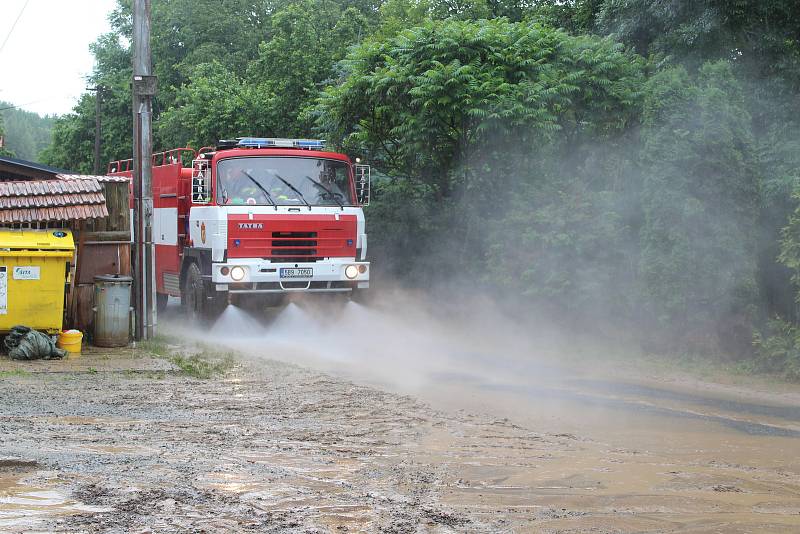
<point>25,104</point>
<point>14,25</point>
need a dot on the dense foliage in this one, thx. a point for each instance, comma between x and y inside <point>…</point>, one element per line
<point>27,133</point>
<point>699,199</point>
<point>621,163</point>
<point>3,150</point>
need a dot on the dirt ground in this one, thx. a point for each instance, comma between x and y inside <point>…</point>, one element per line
<point>129,441</point>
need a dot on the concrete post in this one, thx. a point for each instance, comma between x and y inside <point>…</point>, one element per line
<point>144,87</point>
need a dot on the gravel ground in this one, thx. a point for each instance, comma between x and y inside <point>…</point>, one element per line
<point>128,444</point>
<point>130,441</point>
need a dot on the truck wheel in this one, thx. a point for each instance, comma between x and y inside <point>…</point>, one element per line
<point>199,304</point>
<point>193,293</point>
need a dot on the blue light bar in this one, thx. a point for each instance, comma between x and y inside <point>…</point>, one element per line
<point>274,142</point>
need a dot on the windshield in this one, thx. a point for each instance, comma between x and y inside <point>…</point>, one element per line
<point>283,181</point>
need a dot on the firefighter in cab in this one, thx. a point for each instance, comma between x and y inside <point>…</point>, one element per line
<point>238,188</point>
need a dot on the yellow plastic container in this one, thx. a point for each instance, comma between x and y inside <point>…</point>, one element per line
<point>34,271</point>
<point>70,341</point>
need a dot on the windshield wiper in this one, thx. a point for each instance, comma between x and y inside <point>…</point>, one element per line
<point>293,188</point>
<point>330,193</point>
<point>266,193</point>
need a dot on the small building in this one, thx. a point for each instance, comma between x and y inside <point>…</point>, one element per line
<point>95,208</point>
<point>20,169</point>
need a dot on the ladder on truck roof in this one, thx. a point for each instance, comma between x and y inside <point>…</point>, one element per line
<point>167,157</point>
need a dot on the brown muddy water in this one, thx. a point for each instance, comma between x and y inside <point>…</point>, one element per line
<point>390,419</point>
<point>23,505</point>
<point>640,454</point>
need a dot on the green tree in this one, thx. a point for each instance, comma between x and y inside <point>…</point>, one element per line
<point>566,237</point>
<point>27,133</point>
<point>575,16</point>
<point>73,134</point>
<point>273,95</point>
<point>215,104</point>
<point>761,36</point>
<point>698,249</point>
<point>424,103</point>
<point>307,39</point>
<point>484,121</point>
<point>398,15</point>
<point>3,150</point>
<point>185,34</point>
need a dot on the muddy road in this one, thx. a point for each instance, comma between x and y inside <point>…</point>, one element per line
<point>385,421</point>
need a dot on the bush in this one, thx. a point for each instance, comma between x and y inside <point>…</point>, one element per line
<point>778,349</point>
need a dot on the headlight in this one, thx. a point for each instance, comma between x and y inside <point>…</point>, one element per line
<point>237,273</point>
<point>351,271</point>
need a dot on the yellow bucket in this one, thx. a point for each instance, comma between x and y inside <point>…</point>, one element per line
<point>70,341</point>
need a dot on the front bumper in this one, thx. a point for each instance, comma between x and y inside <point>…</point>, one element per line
<point>261,276</point>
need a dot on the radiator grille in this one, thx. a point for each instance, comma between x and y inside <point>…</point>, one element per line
<point>294,246</point>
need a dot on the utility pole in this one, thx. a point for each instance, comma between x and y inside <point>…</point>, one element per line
<point>98,97</point>
<point>144,88</point>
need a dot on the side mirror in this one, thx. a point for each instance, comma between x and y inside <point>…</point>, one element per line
<point>363,183</point>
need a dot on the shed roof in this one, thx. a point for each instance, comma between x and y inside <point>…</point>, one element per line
<point>51,200</point>
<point>31,165</point>
<point>100,178</point>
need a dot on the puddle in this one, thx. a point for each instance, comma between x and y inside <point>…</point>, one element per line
<point>322,500</point>
<point>26,507</point>
<point>684,479</point>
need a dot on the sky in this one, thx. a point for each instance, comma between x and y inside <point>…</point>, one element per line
<point>45,61</point>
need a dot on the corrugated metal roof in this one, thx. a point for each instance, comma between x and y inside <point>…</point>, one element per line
<point>31,165</point>
<point>52,200</point>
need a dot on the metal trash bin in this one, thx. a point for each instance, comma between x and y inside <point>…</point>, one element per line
<point>112,307</point>
<point>34,271</point>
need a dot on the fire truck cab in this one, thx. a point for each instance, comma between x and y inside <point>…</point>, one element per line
<point>255,218</point>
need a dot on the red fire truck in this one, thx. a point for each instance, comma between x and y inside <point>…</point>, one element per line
<point>254,219</point>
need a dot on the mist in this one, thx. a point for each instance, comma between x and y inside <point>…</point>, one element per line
<point>568,254</point>
<point>400,339</point>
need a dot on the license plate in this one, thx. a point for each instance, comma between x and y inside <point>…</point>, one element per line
<point>293,272</point>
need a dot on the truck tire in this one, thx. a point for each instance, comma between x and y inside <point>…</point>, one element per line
<point>199,304</point>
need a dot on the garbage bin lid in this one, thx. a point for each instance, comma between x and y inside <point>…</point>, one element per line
<point>27,239</point>
<point>112,278</point>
